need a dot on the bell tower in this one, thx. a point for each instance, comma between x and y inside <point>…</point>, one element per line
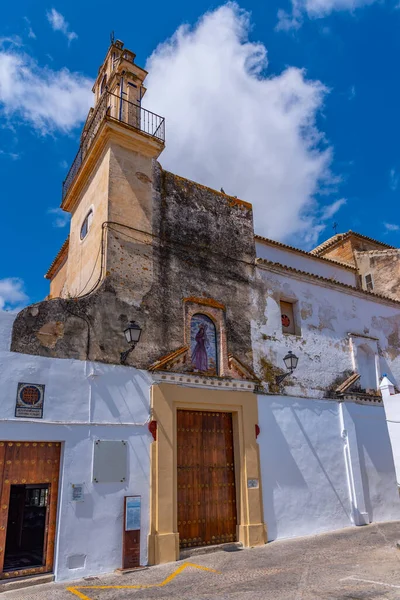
<point>109,184</point>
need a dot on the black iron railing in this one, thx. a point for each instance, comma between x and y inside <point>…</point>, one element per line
<point>114,108</point>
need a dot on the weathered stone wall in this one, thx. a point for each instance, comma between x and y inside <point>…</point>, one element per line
<point>332,322</point>
<point>384,266</point>
<point>201,244</point>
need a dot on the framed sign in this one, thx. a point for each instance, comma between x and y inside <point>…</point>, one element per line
<point>132,513</point>
<point>77,492</point>
<point>131,533</point>
<point>30,398</point>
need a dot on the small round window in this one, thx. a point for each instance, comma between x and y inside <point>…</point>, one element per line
<point>86,224</point>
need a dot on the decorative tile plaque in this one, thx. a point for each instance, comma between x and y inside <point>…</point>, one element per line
<point>30,398</point>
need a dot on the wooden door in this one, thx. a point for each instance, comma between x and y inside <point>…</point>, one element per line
<point>206,478</point>
<point>29,463</point>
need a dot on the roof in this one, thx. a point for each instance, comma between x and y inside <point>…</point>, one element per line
<point>304,252</point>
<point>340,237</point>
<point>281,267</point>
<point>58,261</point>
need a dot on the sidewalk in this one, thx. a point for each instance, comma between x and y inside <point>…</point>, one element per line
<point>350,564</point>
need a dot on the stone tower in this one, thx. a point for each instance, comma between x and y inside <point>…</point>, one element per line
<point>109,180</point>
<point>144,245</point>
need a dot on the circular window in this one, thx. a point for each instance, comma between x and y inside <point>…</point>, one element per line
<point>86,224</point>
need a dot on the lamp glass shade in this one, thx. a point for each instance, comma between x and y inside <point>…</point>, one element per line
<point>290,361</point>
<point>133,333</point>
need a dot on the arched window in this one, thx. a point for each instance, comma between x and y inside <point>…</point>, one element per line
<point>86,224</point>
<point>103,84</point>
<point>203,345</point>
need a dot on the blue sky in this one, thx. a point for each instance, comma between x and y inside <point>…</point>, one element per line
<point>295,111</point>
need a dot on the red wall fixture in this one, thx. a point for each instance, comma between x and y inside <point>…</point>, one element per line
<point>257,430</point>
<point>153,429</point>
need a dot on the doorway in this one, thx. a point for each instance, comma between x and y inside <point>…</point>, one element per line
<point>29,477</point>
<point>206,478</point>
<point>26,527</point>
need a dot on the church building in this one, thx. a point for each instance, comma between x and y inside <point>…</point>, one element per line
<point>187,383</point>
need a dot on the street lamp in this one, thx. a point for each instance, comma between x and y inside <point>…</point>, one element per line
<point>132,334</point>
<point>290,361</point>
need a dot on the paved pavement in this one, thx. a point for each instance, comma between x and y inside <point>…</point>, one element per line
<point>360,563</point>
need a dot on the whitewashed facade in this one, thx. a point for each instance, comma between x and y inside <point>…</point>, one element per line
<point>83,402</point>
<point>326,461</point>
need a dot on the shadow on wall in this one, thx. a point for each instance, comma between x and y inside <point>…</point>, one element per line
<point>279,468</point>
<point>376,462</point>
<point>303,472</point>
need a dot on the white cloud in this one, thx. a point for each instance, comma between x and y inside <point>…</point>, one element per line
<point>12,155</point>
<point>31,33</point>
<point>231,125</point>
<point>315,9</point>
<point>394,179</point>
<point>12,295</point>
<point>58,23</point>
<point>329,211</point>
<point>46,99</point>
<point>391,227</point>
<point>60,217</point>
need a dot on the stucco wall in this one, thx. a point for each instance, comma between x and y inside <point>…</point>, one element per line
<point>304,473</point>
<point>83,402</point>
<point>84,256</point>
<point>325,315</point>
<point>302,262</point>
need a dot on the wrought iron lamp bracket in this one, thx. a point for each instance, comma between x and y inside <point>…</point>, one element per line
<point>124,355</point>
<point>280,378</point>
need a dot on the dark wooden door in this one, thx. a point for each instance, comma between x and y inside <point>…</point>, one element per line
<point>27,463</point>
<point>206,478</point>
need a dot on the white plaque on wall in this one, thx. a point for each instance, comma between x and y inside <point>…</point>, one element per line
<point>110,461</point>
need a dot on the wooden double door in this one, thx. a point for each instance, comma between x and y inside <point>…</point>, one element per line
<point>207,511</point>
<point>29,475</point>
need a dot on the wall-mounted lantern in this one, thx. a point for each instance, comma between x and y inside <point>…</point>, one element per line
<point>290,361</point>
<point>132,334</point>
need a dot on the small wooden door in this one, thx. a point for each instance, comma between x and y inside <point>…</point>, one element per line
<point>206,478</point>
<point>25,464</point>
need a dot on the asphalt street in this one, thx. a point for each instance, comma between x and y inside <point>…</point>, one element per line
<point>351,564</point>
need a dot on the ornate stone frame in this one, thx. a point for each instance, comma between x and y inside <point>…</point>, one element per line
<point>216,312</point>
<point>166,398</point>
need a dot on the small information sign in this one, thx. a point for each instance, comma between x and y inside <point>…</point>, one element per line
<point>77,492</point>
<point>132,513</point>
<point>30,398</point>
<point>252,483</point>
<point>131,533</point>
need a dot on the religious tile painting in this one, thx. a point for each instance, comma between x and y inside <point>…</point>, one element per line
<point>203,345</point>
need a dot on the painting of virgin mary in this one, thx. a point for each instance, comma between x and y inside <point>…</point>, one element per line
<point>203,345</point>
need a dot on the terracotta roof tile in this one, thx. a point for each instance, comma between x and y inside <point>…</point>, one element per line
<point>371,295</point>
<point>56,264</point>
<point>344,236</point>
<point>304,252</point>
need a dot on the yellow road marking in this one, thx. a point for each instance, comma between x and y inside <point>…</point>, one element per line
<point>75,590</point>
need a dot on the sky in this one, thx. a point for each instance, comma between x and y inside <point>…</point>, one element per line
<point>292,105</point>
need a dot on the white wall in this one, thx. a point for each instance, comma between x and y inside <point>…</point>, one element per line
<point>304,473</point>
<point>83,402</point>
<point>326,315</point>
<point>381,497</point>
<point>303,262</point>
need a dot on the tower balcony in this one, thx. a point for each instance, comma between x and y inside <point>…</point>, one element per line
<point>113,108</point>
